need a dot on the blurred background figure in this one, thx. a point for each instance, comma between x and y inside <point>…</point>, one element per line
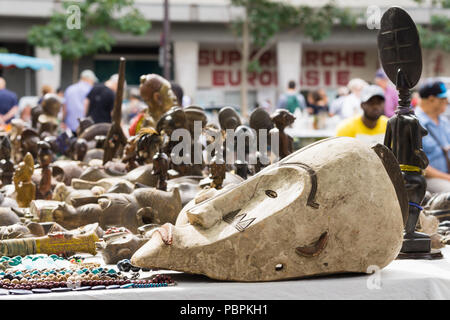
<point>133,106</point>
<point>436,144</point>
<point>415,99</point>
<point>390,93</point>
<point>369,127</point>
<point>337,103</point>
<point>74,99</point>
<point>292,99</point>
<point>317,102</point>
<point>351,105</point>
<point>44,90</point>
<point>8,104</point>
<point>99,102</point>
<point>60,92</point>
<point>178,91</point>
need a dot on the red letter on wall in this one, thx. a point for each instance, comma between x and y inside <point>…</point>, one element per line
<point>203,57</point>
<point>343,77</point>
<point>218,77</point>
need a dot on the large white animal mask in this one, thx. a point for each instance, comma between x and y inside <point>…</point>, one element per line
<point>330,207</point>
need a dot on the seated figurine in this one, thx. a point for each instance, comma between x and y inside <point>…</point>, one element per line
<point>298,217</point>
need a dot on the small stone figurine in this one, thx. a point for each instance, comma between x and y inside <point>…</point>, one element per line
<point>217,169</point>
<point>398,38</point>
<point>45,158</point>
<point>6,165</point>
<point>130,154</point>
<point>160,168</point>
<point>283,118</point>
<point>25,188</point>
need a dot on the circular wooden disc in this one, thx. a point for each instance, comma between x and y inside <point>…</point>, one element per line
<point>399,46</point>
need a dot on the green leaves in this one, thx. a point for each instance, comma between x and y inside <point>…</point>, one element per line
<point>97,18</point>
<point>267,18</point>
<point>437,34</point>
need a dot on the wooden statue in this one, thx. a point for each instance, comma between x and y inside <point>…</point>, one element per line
<point>160,167</point>
<point>158,95</point>
<point>148,143</point>
<point>48,119</point>
<point>283,118</point>
<point>29,139</point>
<point>25,188</point>
<point>17,126</point>
<point>228,118</point>
<point>130,154</point>
<point>61,242</point>
<point>217,170</point>
<point>45,159</point>
<point>398,38</point>
<point>116,139</point>
<point>6,165</point>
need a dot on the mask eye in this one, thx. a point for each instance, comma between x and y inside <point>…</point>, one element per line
<point>279,267</point>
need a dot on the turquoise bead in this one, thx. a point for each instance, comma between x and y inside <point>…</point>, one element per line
<point>112,271</point>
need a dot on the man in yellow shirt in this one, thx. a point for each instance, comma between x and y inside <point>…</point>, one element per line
<point>369,127</point>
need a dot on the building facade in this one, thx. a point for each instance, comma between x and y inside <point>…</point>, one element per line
<point>204,55</point>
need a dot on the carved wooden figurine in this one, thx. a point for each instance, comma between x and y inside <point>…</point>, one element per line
<point>6,165</point>
<point>116,139</point>
<point>404,132</point>
<point>158,95</point>
<point>25,188</point>
<point>217,170</point>
<point>45,158</point>
<point>283,118</point>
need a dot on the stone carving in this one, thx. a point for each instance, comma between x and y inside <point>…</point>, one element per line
<point>142,206</point>
<point>158,95</point>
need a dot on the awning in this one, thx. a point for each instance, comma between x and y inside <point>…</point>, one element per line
<point>9,60</point>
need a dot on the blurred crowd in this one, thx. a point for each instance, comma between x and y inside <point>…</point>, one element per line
<point>360,110</point>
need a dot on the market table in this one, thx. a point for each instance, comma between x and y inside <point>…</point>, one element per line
<point>402,279</point>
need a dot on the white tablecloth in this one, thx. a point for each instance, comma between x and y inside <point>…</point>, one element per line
<point>402,279</point>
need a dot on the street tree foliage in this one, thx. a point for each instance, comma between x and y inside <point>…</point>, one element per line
<point>96,18</point>
<point>436,35</point>
<point>265,20</point>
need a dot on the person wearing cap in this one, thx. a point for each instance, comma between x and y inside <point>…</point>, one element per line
<point>74,99</point>
<point>436,144</point>
<point>369,127</point>
<point>100,100</point>
<point>390,93</point>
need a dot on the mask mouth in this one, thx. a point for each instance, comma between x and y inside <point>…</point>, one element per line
<point>229,214</point>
